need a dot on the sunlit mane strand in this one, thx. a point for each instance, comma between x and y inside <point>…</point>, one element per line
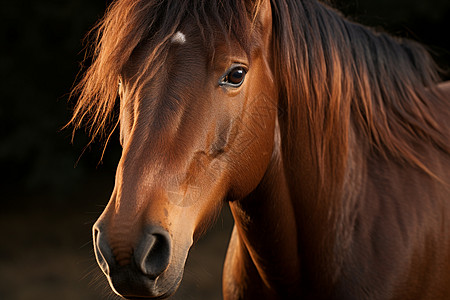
<point>335,75</point>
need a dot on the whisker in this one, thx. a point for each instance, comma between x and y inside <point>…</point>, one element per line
<point>85,244</point>
<point>91,222</point>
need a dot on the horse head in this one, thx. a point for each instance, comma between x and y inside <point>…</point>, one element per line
<point>197,123</point>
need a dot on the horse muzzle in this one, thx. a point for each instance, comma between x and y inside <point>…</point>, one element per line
<point>145,271</point>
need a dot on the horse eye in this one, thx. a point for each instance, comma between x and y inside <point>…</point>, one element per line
<point>235,77</point>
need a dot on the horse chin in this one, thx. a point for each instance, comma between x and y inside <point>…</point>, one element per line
<point>128,285</point>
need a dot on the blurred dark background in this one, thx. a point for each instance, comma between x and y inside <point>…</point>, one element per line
<point>51,195</point>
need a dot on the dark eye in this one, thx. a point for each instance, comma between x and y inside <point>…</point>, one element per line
<point>235,77</point>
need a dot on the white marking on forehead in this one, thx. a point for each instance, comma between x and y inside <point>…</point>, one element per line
<point>178,38</point>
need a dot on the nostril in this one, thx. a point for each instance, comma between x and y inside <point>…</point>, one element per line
<point>153,253</point>
<point>102,251</point>
<point>158,256</point>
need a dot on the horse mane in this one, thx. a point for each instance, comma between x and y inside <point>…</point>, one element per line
<point>335,75</point>
<point>332,74</point>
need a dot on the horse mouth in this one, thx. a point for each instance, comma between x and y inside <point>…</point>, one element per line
<point>164,296</point>
<point>129,285</point>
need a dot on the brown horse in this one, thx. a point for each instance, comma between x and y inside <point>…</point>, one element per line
<point>329,141</point>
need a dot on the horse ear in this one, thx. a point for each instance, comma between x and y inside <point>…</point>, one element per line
<point>263,17</point>
<point>263,12</point>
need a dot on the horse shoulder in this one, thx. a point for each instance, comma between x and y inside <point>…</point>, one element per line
<point>403,231</point>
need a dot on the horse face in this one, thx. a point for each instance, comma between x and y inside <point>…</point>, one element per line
<point>193,134</point>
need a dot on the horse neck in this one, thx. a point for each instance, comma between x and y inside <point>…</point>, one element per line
<point>325,202</point>
<point>290,228</point>
<point>266,229</point>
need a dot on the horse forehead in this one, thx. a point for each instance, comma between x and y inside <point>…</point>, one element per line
<point>178,38</point>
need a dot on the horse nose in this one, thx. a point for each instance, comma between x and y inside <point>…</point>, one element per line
<point>103,252</point>
<point>152,254</point>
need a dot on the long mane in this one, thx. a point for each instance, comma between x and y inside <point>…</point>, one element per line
<point>333,75</point>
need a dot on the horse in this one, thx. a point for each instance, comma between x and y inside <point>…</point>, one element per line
<point>328,140</point>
